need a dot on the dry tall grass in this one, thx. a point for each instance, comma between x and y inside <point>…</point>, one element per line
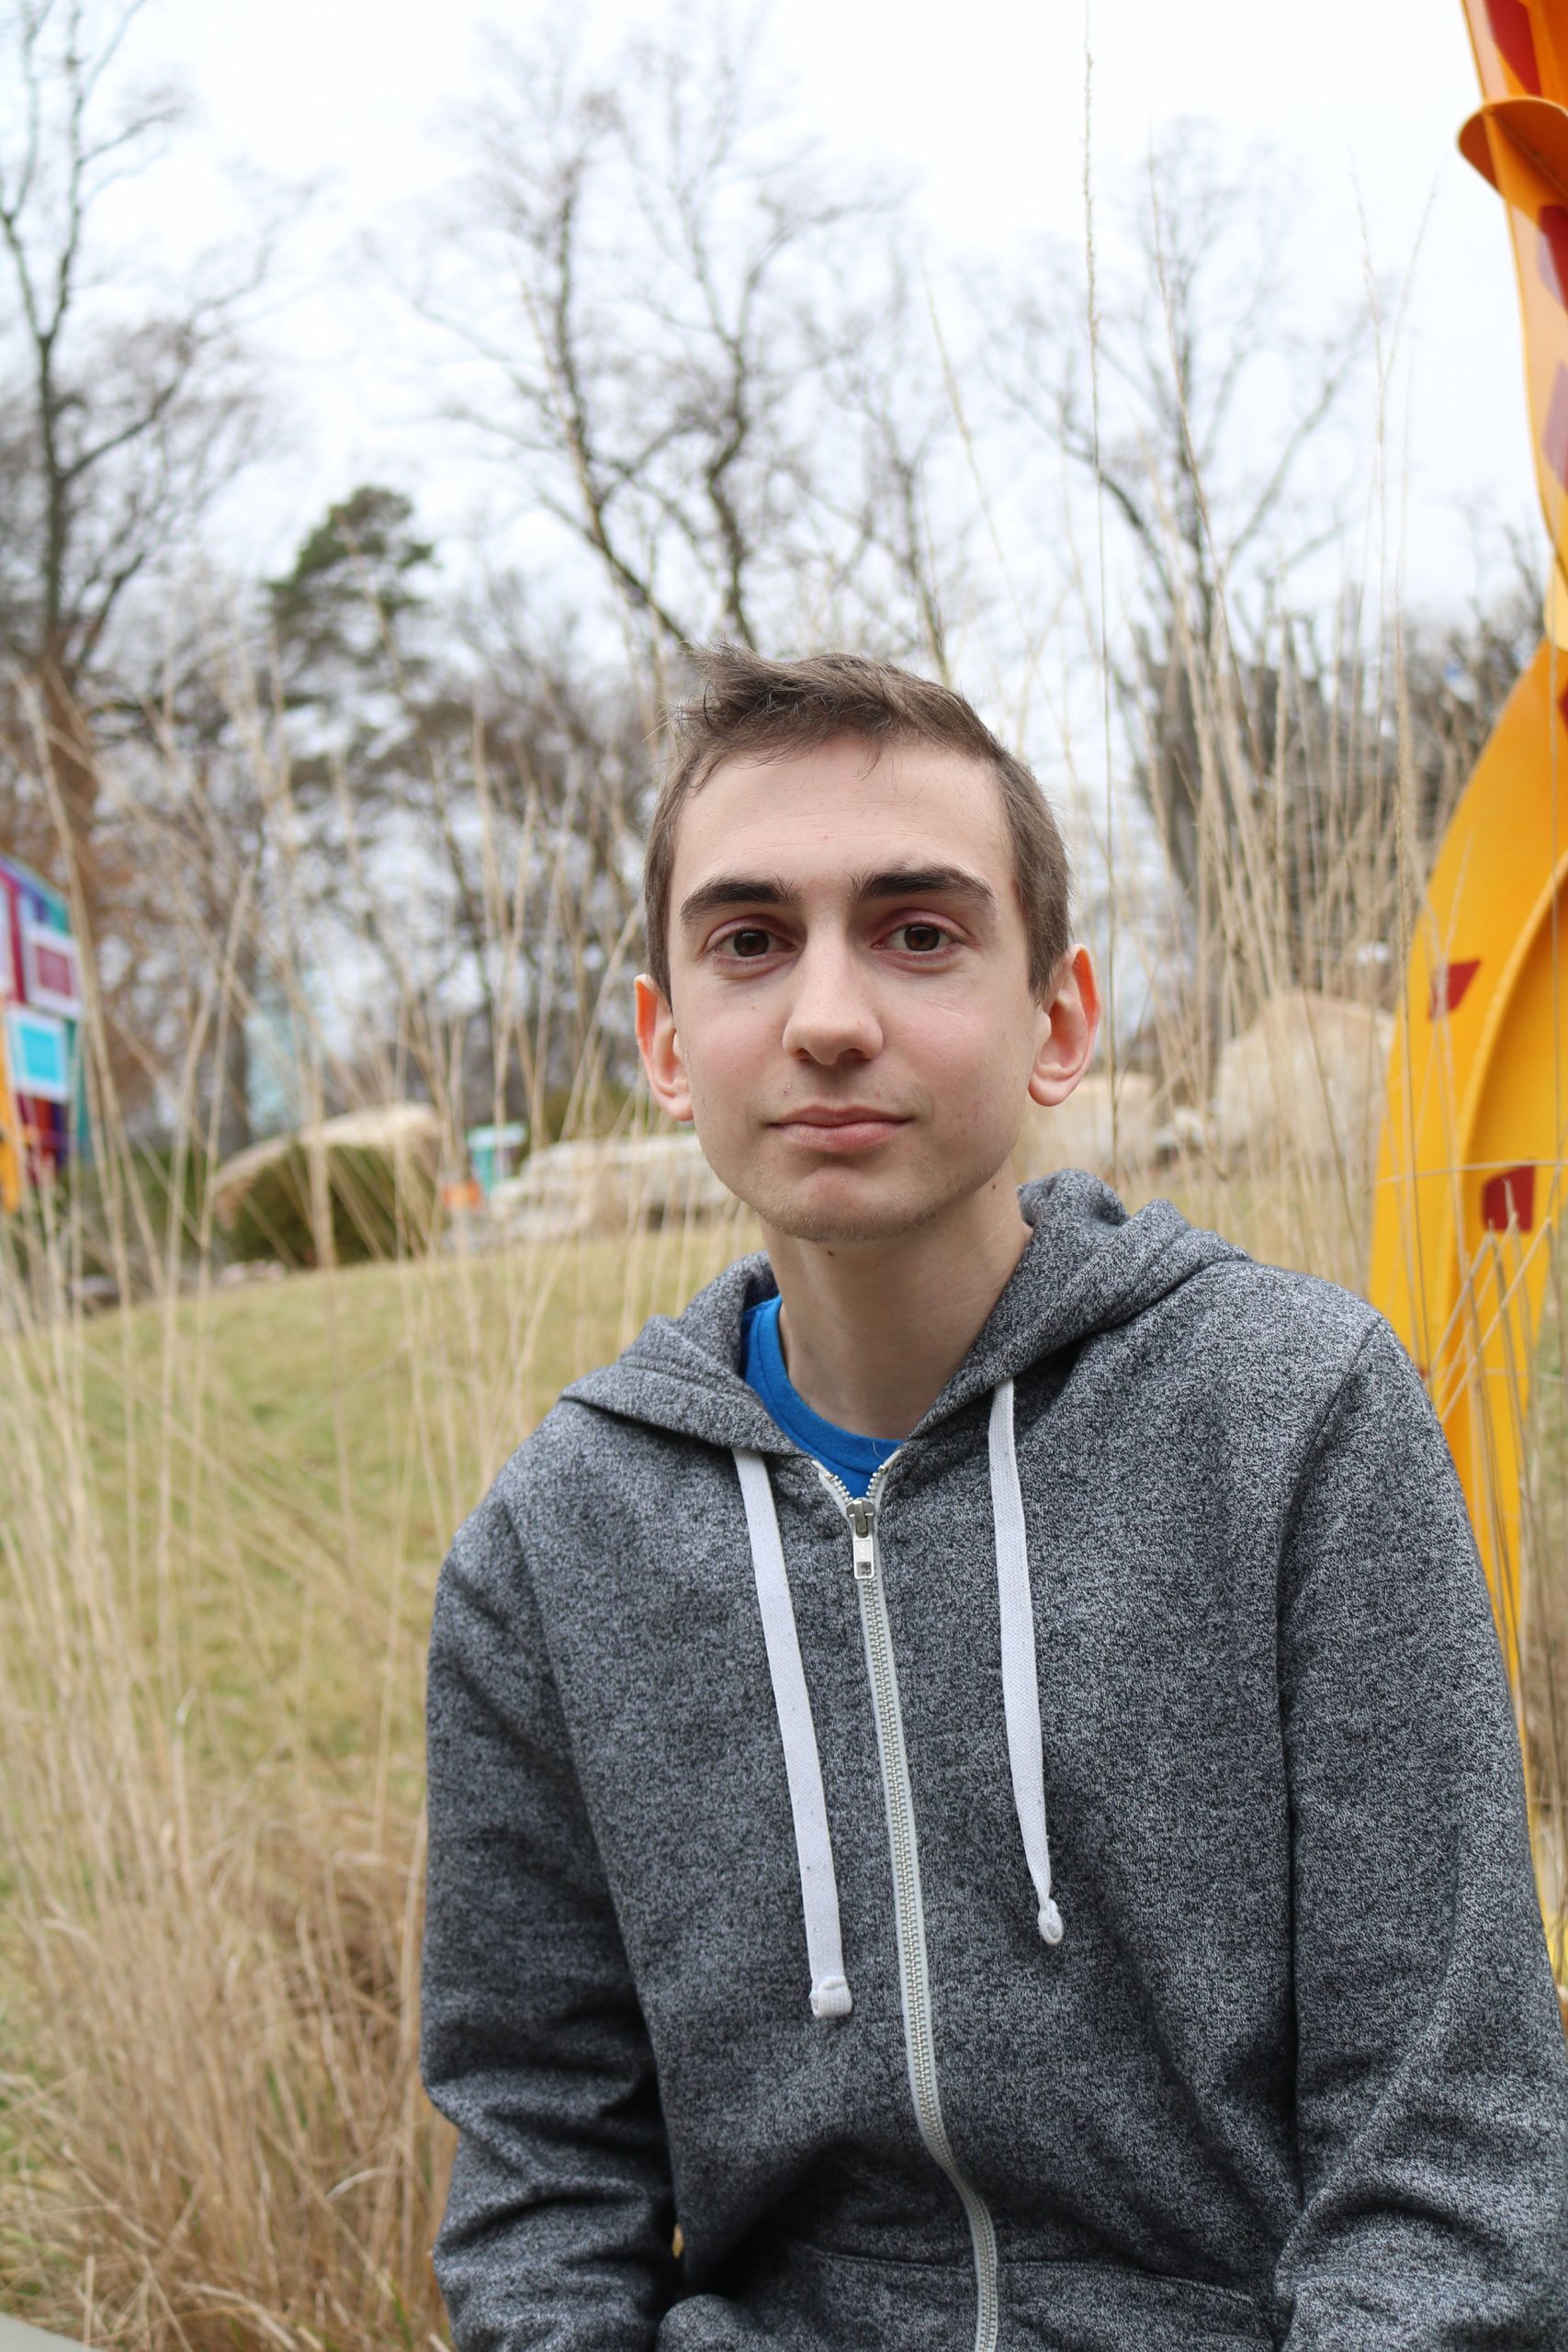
<point>221,1511</point>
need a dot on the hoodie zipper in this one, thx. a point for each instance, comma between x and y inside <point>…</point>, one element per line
<point>914,1972</point>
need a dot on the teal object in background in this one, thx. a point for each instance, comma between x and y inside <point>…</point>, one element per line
<point>494,1152</point>
<point>39,1055</point>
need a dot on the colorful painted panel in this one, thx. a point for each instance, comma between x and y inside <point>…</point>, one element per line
<point>38,1050</point>
<point>52,971</point>
<point>43,1112</point>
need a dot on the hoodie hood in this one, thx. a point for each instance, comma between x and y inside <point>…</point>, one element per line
<point>1087,1267</point>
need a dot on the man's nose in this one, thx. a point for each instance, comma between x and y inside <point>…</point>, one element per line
<point>831,1013</point>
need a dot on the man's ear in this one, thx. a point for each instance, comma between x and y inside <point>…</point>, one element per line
<point>660,1050</point>
<point>1071,1025</point>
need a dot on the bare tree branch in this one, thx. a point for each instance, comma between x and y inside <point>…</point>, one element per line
<point>676,261</point>
<point>124,427</point>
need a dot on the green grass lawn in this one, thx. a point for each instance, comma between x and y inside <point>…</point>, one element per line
<point>275,1471</point>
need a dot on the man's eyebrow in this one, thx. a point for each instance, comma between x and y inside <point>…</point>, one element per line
<point>736,890</point>
<point>926,882</point>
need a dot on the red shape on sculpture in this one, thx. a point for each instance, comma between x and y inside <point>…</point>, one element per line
<point>1450,982</point>
<point>1510,22</point>
<point>1509,1196</point>
<point>1554,434</point>
<point>1551,251</point>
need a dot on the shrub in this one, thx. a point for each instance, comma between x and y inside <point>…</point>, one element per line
<point>382,1205</point>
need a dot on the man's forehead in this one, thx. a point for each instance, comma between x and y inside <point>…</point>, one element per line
<point>821,811</point>
<point>851,760</point>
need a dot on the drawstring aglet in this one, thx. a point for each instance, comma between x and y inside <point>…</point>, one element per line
<point>1050,1922</point>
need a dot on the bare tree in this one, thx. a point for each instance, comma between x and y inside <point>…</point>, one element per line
<point>662,278</point>
<point>1213,404</point>
<point>460,792</point>
<point>898,524</point>
<point>555,772</point>
<point>127,406</point>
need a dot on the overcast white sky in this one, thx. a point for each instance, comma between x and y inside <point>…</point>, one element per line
<point>1358,101</point>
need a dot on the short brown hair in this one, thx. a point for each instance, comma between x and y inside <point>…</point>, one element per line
<point>750,708</point>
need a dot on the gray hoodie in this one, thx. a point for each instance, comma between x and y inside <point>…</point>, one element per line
<point>1079,1900</point>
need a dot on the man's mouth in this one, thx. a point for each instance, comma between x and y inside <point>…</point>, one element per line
<point>839,1126</point>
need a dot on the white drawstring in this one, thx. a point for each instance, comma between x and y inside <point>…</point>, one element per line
<point>803,1769</point>
<point>1021,1680</point>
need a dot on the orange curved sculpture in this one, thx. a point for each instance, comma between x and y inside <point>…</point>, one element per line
<point>1470,1183</point>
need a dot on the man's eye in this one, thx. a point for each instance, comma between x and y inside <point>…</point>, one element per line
<point>748,944</point>
<point>922,938</point>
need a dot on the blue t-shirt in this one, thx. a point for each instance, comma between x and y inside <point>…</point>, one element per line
<point>849,1456</point>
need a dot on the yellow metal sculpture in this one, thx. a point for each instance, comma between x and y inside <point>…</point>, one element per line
<point>1470,1172</point>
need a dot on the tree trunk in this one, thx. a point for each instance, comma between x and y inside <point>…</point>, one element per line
<point>232,1074</point>
<point>74,768</point>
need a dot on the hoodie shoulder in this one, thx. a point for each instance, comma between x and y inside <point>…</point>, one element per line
<point>1207,1276</point>
<point>1264,1351</point>
<point>1256,1306</point>
<point>1263,1336</point>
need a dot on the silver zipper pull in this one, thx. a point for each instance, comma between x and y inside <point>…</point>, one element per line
<point>863,1524</point>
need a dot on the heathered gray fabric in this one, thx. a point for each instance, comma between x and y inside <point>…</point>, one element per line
<point>1295,2074</point>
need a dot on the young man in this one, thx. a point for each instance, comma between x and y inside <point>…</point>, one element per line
<point>970,1771</point>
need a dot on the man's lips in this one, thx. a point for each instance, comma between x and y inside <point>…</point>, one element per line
<point>850,1127</point>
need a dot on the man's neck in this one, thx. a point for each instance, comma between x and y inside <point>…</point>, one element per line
<point>874,1331</point>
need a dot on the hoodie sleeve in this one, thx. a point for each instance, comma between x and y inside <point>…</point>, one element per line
<point>557,2234</point>
<point>1432,2076</point>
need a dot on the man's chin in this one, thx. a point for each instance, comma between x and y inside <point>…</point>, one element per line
<point>840,1230</point>
<point>842,1214</point>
